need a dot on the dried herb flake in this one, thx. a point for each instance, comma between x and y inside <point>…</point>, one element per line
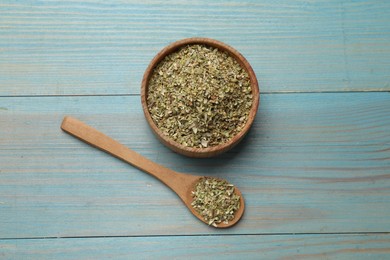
<point>214,199</point>
<point>199,96</point>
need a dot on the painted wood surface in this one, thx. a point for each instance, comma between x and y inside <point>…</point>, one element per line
<point>312,163</point>
<point>99,47</point>
<point>314,169</point>
<point>207,247</point>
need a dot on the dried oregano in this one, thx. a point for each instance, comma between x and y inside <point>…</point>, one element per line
<point>215,200</point>
<point>199,96</point>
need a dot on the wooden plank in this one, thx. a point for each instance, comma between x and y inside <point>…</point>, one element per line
<point>84,47</point>
<point>313,163</point>
<point>202,247</point>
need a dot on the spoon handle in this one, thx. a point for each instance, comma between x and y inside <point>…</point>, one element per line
<point>178,182</point>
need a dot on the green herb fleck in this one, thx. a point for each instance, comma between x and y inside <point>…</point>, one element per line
<point>215,200</point>
<point>199,96</point>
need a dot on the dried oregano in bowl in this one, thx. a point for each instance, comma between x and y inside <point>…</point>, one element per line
<point>200,96</point>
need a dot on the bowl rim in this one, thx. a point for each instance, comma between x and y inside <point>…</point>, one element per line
<point>196,151</point>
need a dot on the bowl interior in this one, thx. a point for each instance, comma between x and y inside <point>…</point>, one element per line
<point>197,151</point>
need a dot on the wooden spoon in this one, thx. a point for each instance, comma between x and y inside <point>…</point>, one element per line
<point>182,184</point>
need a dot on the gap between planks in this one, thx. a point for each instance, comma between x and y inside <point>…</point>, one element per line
<point>261,93</point>
<point>204,235</point>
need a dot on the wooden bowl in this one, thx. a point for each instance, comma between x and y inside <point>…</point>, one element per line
<point>192,151</point>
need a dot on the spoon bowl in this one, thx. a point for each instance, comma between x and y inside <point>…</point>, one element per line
<point>181,184</point>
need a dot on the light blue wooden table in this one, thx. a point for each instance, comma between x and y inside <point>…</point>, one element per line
<point>314,169</point>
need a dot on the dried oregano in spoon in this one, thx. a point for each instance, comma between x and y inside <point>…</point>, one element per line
<point>199,96</point>
<point>215,200</point>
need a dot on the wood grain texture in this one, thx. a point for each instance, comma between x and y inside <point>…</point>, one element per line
<point>312,163</point>
<point>202,247</point>
<point>314,168</point>
<point>94,47</point>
